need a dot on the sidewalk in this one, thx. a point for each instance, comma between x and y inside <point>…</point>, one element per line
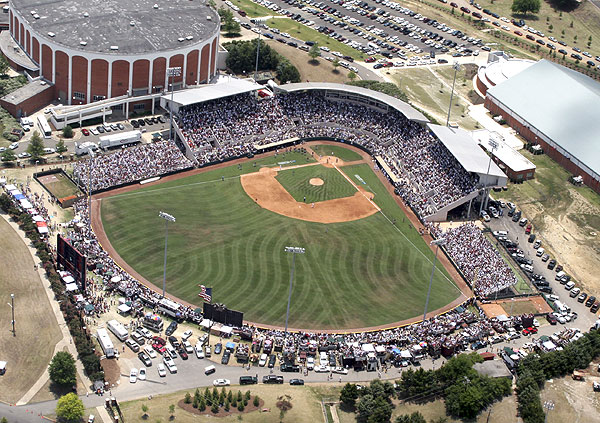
<point>67,340</point>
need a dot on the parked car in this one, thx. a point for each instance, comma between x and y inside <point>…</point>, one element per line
<point>186,335</point>
<point>272,379</point>
<point>272,360</point>
<point>296,381</point>
<point>171,329</point>
<point>221,382</point>
<point>145,359</point>
<point>226,357</point>
<point>160,367</point>
<point>263,360</point>
<point>132,345</point>
<point>133,376</point>
<point>218,348</point>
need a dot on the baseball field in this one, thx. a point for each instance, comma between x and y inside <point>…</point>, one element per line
<point>357,272</point>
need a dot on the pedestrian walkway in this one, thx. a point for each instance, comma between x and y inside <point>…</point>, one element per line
<point>67,340</point>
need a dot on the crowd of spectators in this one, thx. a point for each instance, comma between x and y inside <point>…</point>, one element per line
<point>130,164</point>
<point>476,257</point>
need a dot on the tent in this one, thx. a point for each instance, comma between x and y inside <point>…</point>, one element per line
<point>368,348</point>
<point>20,197</point>
<point>549,346</point>
<point>226,331</point>
<point>71,287</point>
<point>124,309</point>
<point>230,345</point>
<point>10,187</point>
<point>205,324</point>
<point>38,218</point>
<point>14,192</point>
<point>380,349</point>
<point>88,308</point>
<point>116,279</point>
<point>79,298</point>
<point>26,204</point>
<point>42,227</point>
<point>68,279</point>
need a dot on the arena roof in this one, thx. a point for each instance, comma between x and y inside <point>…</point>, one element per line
<point>404,108</point>
<point>109,23</point>
<point>560,103</point>
<point>225,87</point>
<point>466,150</point>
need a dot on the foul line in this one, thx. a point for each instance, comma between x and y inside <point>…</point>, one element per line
<point>356,187</point>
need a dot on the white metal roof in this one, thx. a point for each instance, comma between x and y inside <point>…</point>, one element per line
<point>466,150</point>
<point>404,108</point>
<point>560,103</point>
<point>225,87</point>
<point>505,153</point>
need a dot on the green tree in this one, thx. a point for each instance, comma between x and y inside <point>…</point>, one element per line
<point>62,369</point>
<point>526,6</point>
<point>550,27</point>
<point>336,64</point>
<point>3,420</point>
<point>202,404</point>
<point>227,405</point>
<point>241,56</point>
<point>562,33</point>
<point>69,408</point>
<point>239,396</point>
<point>247,395</point>
<point>36,146</point>
<point>60,147</point>
<point>9,156</point>
<point>352,75</point>
<point>415,417</point>
<point>256,401</point>
<point>68,131</point>
<point>145,411</point>
<point>230,396</point>
<point>286,72</point>
<point>3,65</point>
<point>188,398</point>
<point>215,407</point>
<point>349,395</point>
<point>314,52</point>
<point>172,411</point>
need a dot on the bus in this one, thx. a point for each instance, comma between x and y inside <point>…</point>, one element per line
<point>105,343</point>
<point>44,127</point>
<point>170,308</point>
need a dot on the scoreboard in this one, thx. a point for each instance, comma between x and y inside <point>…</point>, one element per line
<point>71,260</point>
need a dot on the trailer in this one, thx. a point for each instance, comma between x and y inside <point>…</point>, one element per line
<point>84,147</point>
<point>120,139</point>
<point>105,343</point>
<point>117,329</point>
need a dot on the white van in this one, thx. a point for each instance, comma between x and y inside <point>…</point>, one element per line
<point>210,370</point>
<point>559,275</point>
<point>540,252</point>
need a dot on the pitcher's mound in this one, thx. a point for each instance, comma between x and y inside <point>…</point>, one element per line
<point>316,181</point>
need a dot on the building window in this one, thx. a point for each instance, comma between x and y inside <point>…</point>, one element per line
<point>139,106</point>
<point>157,89</point>
<point>519,176</point>
<point>79,96</point>
<point>99,97</point>
<point>117,107</point>
<point>529,175</point>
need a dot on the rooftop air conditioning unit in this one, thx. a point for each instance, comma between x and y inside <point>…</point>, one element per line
<point>114,47</point>
<point>180,39</point>
<point>131,23</point>
<point>189,37</point>
<point>36,16</point>
<point>155,6</point>
<point>86,15</point>
<point>51,34</point>
<point>83,43</point>
<point>209,18</point>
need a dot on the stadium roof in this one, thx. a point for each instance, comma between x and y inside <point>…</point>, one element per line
<point>505,153</point>
<point>102,24</point>
<point>466,150</point>
<point>404,108</point>
<point>560,103</point>
<point>225,87</point>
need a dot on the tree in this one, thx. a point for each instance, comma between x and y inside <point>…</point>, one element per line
<point>550,27</point>
<point>215,407</point>
<point>69,408</point>
<point>525,6</point>
<point>60,146</point>
<point>349,395</point>
<point>286,72</point>
<point>3,420</point>
<point>3,65</point>
<point>188,398</point>
<point>68,132</point>
<point>415,417</point>
<point>9,156</point>
<point>314,52</point>
<point>172,411</point>
<point>145,411</point>
<point>352,75</point>
<point>202,404</point>
<point>36,146</point>
<point>62,369</point>
<point>227,405</point>
<point>256,401</point>
<point>336,64</point>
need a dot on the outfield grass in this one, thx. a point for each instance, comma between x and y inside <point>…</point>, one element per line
<point>296,182</point>
<point>340,152</point>
<point>304,33</point>
<point>224,240</point>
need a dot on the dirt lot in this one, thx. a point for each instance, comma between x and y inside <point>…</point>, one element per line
<point>28,353</point>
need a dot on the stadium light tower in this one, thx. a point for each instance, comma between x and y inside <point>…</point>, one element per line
<point>257,53</point>
<point>456,67</point>
<point>494,145</point>
<point>294,251</point>
<point>168,218</point>
<point>437,243</point>
<point>172,72</point>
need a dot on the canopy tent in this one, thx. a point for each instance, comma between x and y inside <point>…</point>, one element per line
<point>396,350</point>
<point>42,227</point>
<point>502,318</point>
<point>20,197</point>
<point>38,218</point>
<point>124,309</point>
<point>205,324</point>
<point>380,349</point>
<point>368,348</point>
<point>79,298</point>
<point>14,192</point>
<point>10,187</point>
<point>68,279</point>
<point>549,346</point>
<point>88,308</point>
<point>26,204</point>
<point>115,279</point>
<point>71,287</point>
<point>226,331</point>
<point>230,345</point>
<point>406,354</point>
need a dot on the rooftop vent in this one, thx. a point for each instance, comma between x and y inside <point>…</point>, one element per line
<point>86,15</point>
<point>83,43</point>
<point>131,23</point>
<point>155,6</point>
<point>209,18</point>
<point>33,12</point>
<point>114,47</point>
<point>51,34</point>
<point>189,37</point>
<point>36,16</point>
<point>180,39</point>
<point>42,82</point>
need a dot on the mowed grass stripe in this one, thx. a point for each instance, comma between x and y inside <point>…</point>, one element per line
<point>338,151</point>
<point>297,183</point>
<point>354,274</point>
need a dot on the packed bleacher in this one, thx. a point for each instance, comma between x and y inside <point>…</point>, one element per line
<point>476,257</point>
<point>129,165</point>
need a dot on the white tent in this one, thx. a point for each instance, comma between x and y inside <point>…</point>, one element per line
<point>116,278</point>
<point>124,308</point>
<point>405,354</point>
<point>226,331</point>
<point>368,348</point>
<point>380,349</point>
<point>42,229</point>
<point>71,287</point>
<point>10,187</point>
<point>68,279</point>
<point>549,346</point>
<point>26,204</point>
<point>38,218</point>
<point>205,324</point>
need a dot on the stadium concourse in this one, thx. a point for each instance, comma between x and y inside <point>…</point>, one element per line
<point>423,171</point>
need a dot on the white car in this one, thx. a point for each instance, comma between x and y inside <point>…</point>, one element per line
<point>199,350</point>
<point>263,360</point>
<point>321,369</point>
<point>161,370</point>
<point>142,373</point>
<point>145,333</point>
<point>150,351</point>
<point>14,146</point>
<point>186,335</point>
<point>310,363</point>
<point>188,347</point>
<point>170,364</point>
<point>94,131</point>
<point>133,375</point>
<point>221,382</point>
<point>340,371</point>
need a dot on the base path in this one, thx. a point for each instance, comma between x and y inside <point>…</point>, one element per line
<point>268,193</point>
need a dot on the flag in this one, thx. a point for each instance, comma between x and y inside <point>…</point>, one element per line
<point>205,293</point>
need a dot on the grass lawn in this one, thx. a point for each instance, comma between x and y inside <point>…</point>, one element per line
<point>338,151</point>
<point>63,187</point>
<point>516,308</point>
<point>426,91</point>
<point>252,9</point>
<point>296,182</point>
<point>224,240</point>
<point>304,33</point>
<point>30,351</point>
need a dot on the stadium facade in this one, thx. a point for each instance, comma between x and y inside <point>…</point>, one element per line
<point>91,51</point>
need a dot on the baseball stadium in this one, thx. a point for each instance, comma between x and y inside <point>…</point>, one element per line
<point>352,176</point>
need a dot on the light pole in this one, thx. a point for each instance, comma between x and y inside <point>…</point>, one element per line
<point>437,243</point>
<point>494,144</point>
<point>257,53</point>
<point>172,72</point>
<point>548,406</point>
<point>294,251</point>
<point>12,307</point>
<point>92,155</point>
<point>168,218</point>
<point>456,67</point>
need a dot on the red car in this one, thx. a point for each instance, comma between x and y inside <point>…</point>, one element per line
<point>519,33</point>
<point>528,229</point>
<point>388,64</point>
<point>85,132</point>
<point>159,348</point>
<point>370,59</point>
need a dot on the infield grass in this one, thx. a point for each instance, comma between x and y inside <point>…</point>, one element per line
<point>297,183</point>
<point>340,152</point>
<point>353,274</point>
